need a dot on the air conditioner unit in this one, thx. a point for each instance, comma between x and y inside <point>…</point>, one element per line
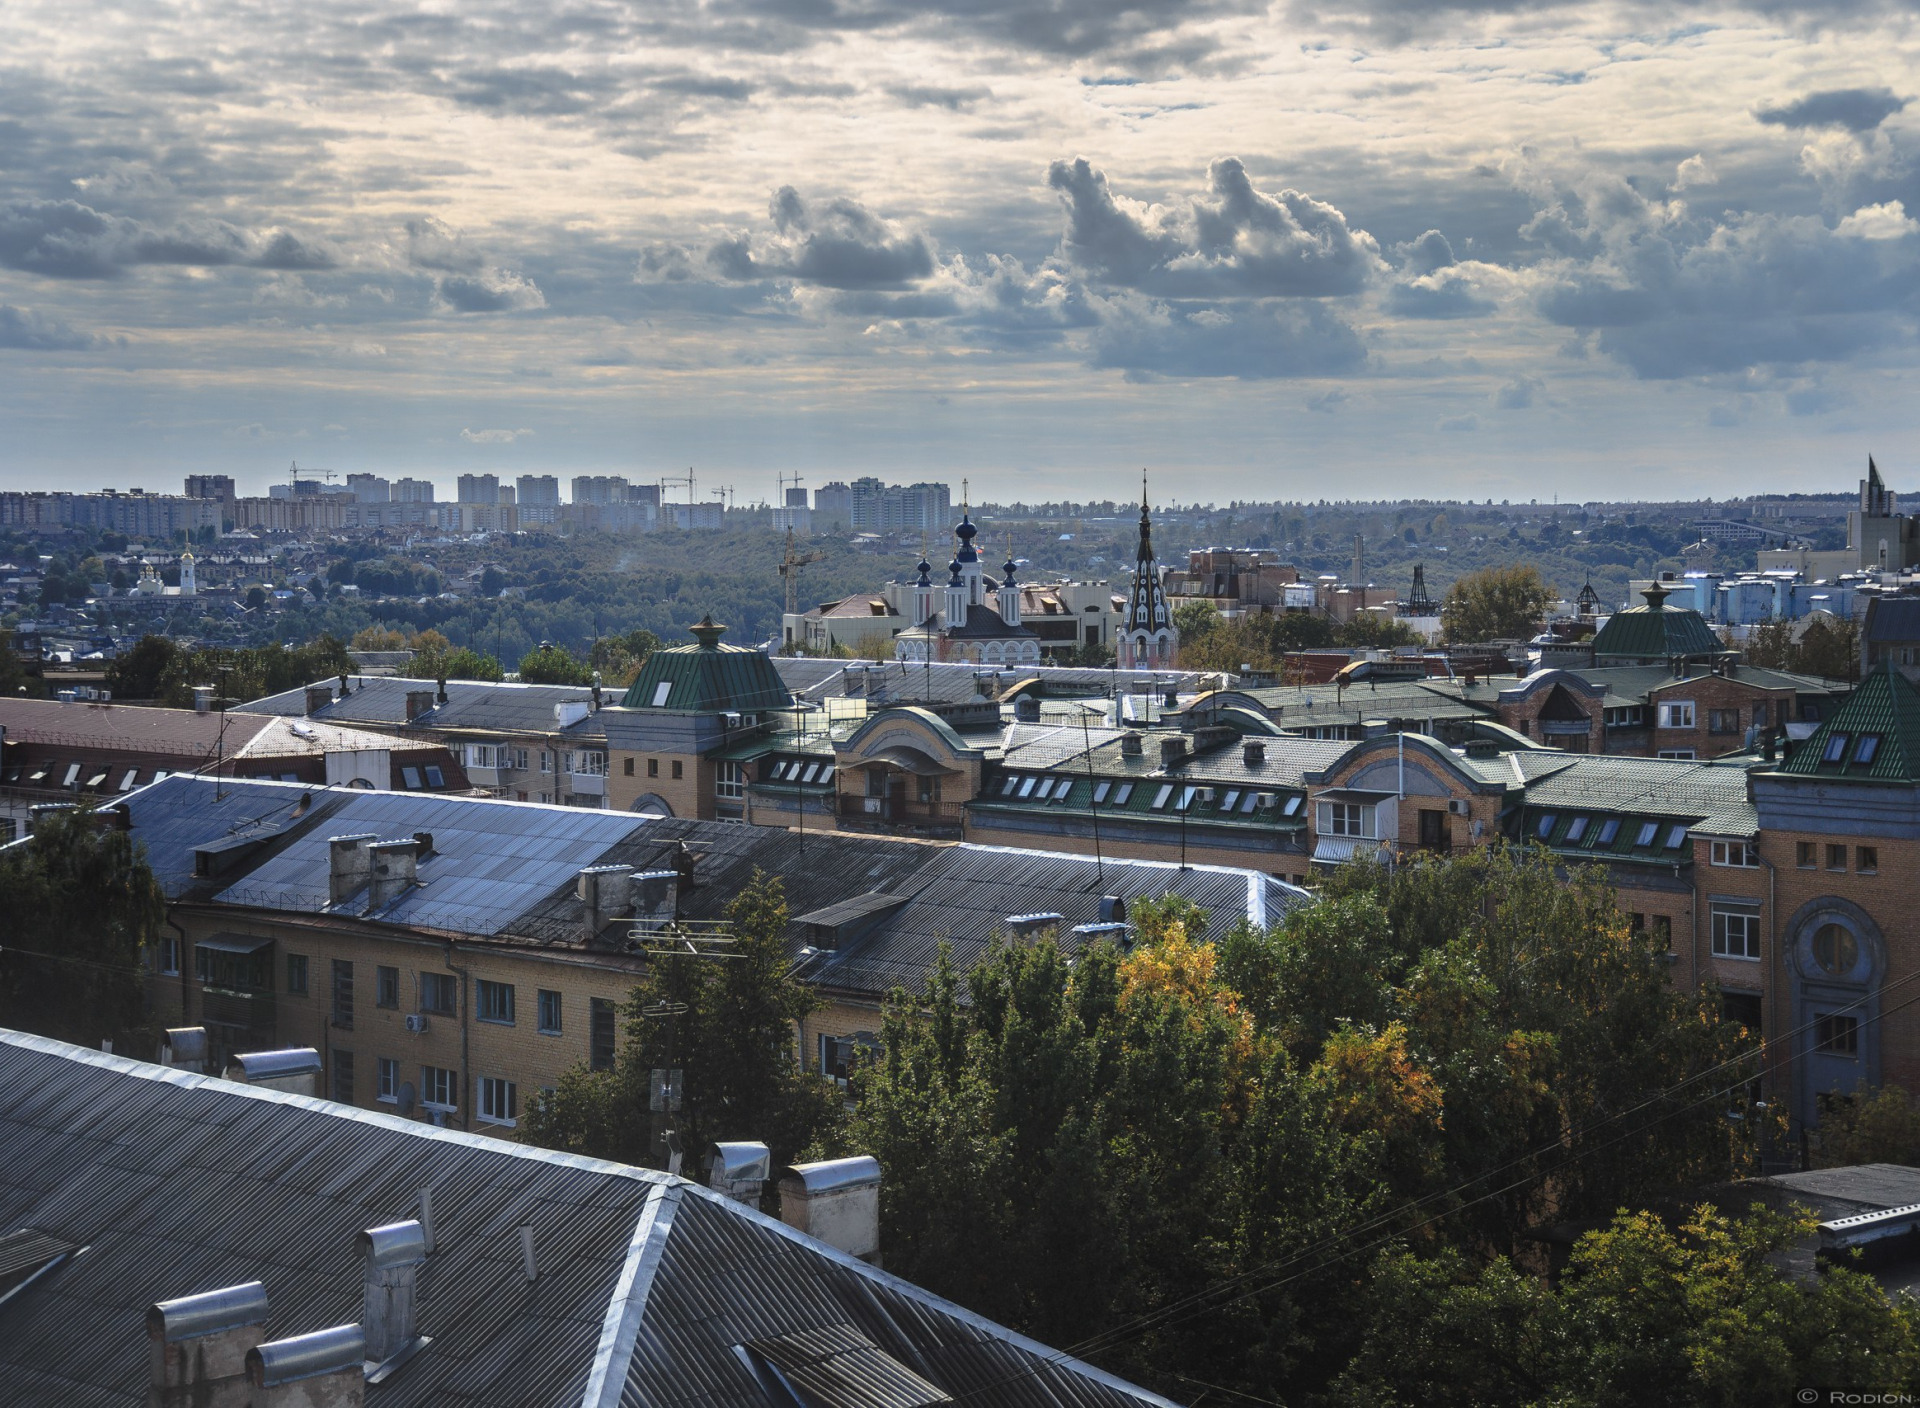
<point>1457,806</point>
<point>873,805</point>
<point>416,1022</point>
<point>1267,801</point>
<point>1203,795</point>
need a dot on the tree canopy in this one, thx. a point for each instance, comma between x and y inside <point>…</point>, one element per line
<point>1496,603</point>
<point>554,664</point>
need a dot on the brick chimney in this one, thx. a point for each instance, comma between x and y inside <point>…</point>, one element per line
<point>395,870</point>
<point>318,697</point>
<point>419,701</point>
<point>605,895</point>
<point>349,867</point>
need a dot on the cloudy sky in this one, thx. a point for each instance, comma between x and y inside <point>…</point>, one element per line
<point>1487,248</point>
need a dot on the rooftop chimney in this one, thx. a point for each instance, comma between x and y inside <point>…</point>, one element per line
<point>318,697</point>
<point>1253,753</point>
<point>395,870</point>
<point>837,1201</point>
<point>202,698</point>
<point>326,1369</point>
<point>199,1347</point>
<point>605,895</point>
<point>185,1049</point>
<point>1173,752</point>
<point>1131,745</point>
<point>349,867</point>
<point>390,1259</point>
<point>419,701</point>
<point>738,1170</point>
<point>1027,709</point>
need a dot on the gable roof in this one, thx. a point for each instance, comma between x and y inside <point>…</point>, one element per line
<point>178,1183</point>
<point>1884,706</point>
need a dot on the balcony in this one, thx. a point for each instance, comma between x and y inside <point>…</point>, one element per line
<point>588,784</point>
<point>896,814</point>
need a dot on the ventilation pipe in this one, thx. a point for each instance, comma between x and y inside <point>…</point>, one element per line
<point>390,1259</point>
<point>326,1369</point>
<point>836,1201</point>
<point>199,1347</point>
<point>184,1049</point>
<point>739,1170</point>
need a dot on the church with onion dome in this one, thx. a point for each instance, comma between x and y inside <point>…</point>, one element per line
<point>972,618</point>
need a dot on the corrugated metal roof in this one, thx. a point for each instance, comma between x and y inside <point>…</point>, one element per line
<point>816,679</point>
<point>178,1183</point>
<point>708,677</point>
<point>471,704</point>
<point>1656,632</point>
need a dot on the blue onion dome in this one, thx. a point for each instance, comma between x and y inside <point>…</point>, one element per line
<point>965,533</point>
<point>954,568</point>
<point>1009,569</point>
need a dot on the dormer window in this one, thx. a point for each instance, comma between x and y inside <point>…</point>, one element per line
<point>1544,828</point>
<point>1836,749</point>
<point>1864,750</point>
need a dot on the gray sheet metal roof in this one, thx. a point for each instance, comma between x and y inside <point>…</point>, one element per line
<point>471,704</point>
<point>177,1183</point>
<point>1711,794</point>
<point>815,680</point>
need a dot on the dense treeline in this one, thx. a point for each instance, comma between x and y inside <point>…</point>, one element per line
<point>1309,1163</point>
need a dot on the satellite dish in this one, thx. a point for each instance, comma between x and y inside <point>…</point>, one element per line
<point>404,1101</point>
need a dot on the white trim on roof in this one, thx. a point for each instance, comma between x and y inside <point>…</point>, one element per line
<point>608,1377</point>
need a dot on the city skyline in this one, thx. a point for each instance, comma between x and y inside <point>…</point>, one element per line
<point>1576,249</point>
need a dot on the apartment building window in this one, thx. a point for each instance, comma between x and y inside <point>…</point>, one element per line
<point>929,791</point>
<point>1734,853</point>
<point>1760,714</point>
<point>653,767</point>
<point>169,955</point>
<point>297,974</point>
<point>493,1002</point>
<point>1836,857</point>
<point>228,971</point>
<point>1866,860</point>
<point>439,1088</point>
<point>520,759</point>
<point>729,781</point>
<point>343,994</point>
<point>1658,927</point>
<point>626,766</point>
<point>546,761</point>
<point>1723,721</point>
<point>1736,933</point>
<point>386,986</point>
<point>1678,755</point>
<point>343,1076</point>
<point>549,1012</point>
<point>1836,1034</point>
<point>1346,819</point>
<point>437,993</point>
<point>1806,854</point>
<point>677,768</point>
<point>600,1034</point>
<point>1677,713</point>
<point>480,755</point>
<point>587,764</point>
<point>387,1072</point>
<point>499,1100</point>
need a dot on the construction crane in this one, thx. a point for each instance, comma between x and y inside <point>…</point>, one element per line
<point>790,570</point>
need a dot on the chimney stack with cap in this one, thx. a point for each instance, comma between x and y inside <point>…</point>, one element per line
<point>395,866</point>
<point>390,1260</point>
<point>318,697</point>
<point>1173,752</point>
<point>739,1170</point>
<point>326,1369</point>
<point>837,1201</point>
<point>349,867</point>
<point>605,895</point>
<point>419,701</point>
<point>200,1344</point>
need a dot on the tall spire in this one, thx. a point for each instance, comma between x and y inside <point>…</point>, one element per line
<point>1147,638</point>
<point>1146,523</point>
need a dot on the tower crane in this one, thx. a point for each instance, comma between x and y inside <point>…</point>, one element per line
<point>790,567</point>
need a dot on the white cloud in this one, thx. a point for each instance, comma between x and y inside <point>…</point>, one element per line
<point>493,437</point>
<point>1886,221</point>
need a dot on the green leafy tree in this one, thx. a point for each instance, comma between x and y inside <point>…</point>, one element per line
<point>492,581</point>
<point>1496,603</point>
<point>1872,1127</point>
<point>378,638</point>
<point>137,673</point>
<point>1373,630</point>
<point>619,658</point>
<point>1830,648</point>
<point>83,907</point>
<point>553,664</point>
<point>733,1040</point>
<point>1195,621</point>
<point>15,678</point>
<point>465,664</point>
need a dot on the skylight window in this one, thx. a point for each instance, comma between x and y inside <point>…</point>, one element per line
<point>1013,781</point>
<point>1026,786</point>
<point>812,768</point>
<point>1121,793</point>
<point>1676,838</point>
<point>1609,829</point>
<point>1061,788</point>
<point>660,693</point>
<point>1575,830</point>
<point>1864,750</point>
<point>1544,828</point>
<point>1836,750</point>
<point>1100,792</point>
<point>1293,805</point>
<point>1160,797</point>
<point>1231,800</point>
<point>1648,830</point>
<point>1186,797</point>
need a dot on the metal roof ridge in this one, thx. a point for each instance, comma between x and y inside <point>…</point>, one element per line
<point>621,1328</point>
<point>1128,860</point>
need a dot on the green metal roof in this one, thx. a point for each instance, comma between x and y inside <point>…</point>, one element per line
<point>1656,631</point>
<point>1886,709</point>
<point>707,677</point>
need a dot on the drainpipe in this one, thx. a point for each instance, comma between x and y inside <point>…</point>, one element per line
<point>1770,994</point>
<point>467,1093</point>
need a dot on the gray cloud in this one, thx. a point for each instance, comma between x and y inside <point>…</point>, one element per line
<point>489,291</point>
<point>21,329</point>
<point>1252,342</point>
<point>836,243</point>
<point>432,244</point>
<point>1856,109</point>
<point>67,240</point>
<point>1235,242</point>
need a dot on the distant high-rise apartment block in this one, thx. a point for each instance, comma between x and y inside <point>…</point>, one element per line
<point>599,489</point>
<point>413,491</point>
<point>796,498</point>
<point>833,505</point>
<point>874,507</point>
<point>211,486</point>
<point>370,489</point>
<point>538,489</point>
<point>479,489</point>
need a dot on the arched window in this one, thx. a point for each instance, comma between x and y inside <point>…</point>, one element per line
<point>1835,950</point>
